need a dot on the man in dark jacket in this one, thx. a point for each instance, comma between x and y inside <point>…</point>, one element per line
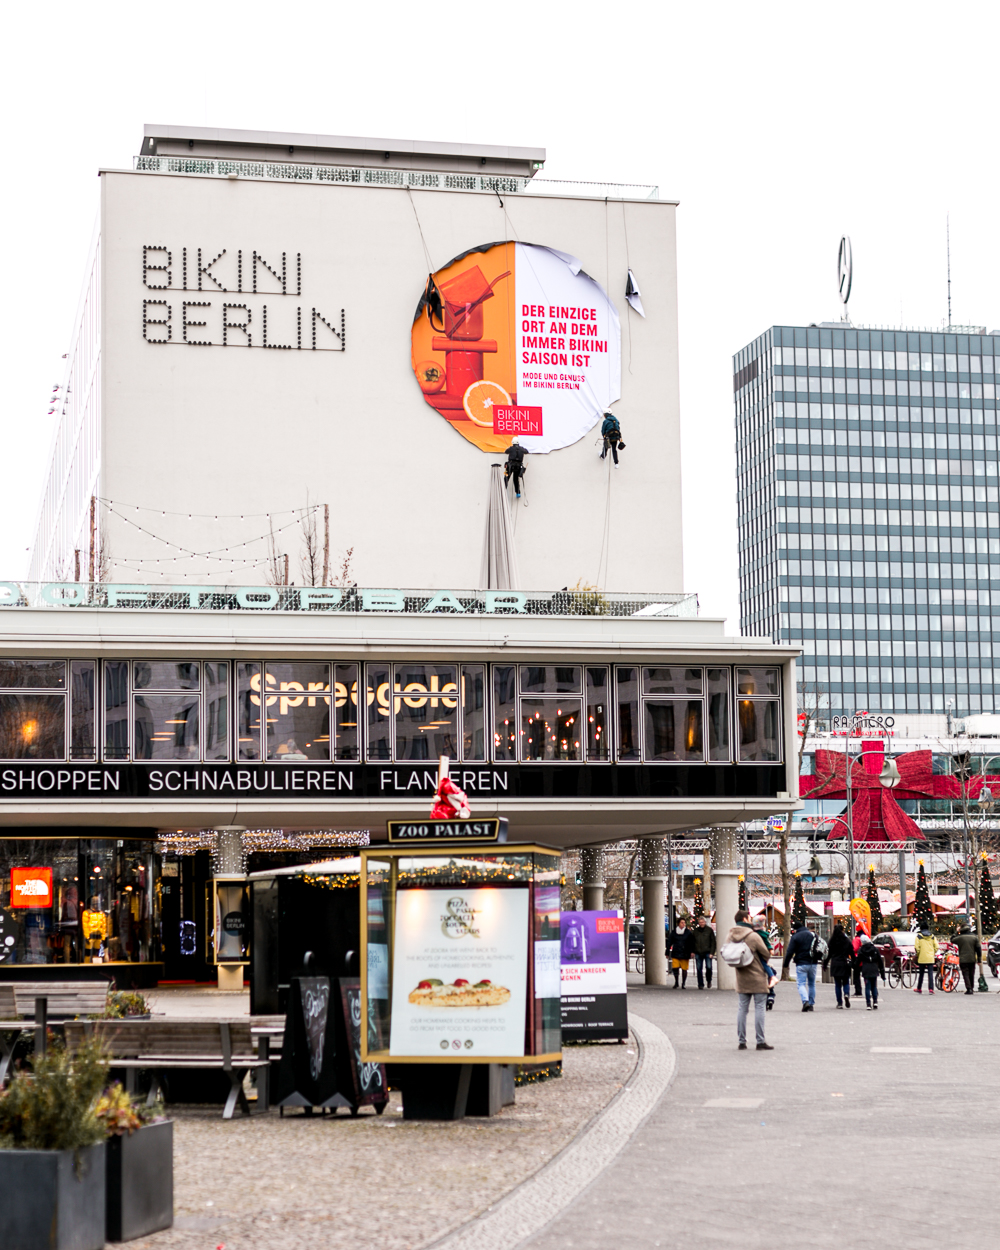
<point>872,967</point>
<point>970,953</point>
<point>800,948</point>
<point>704,948</point>
<point>841,959</point>
<point>612,435</point>
<point>680,947</point>
<point>514,468</point>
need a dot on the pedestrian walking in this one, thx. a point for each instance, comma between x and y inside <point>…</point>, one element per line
<point>680,947</point>
<point>806,950</point>
<point>749,951</point>
<point>925,947</point>
<point>703,940</point>
<point>872,966</point>
<point>970,954</point>
<point>841,963</point>
<point>856,967</point>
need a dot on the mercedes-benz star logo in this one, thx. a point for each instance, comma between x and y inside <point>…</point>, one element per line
<point>845,270</point>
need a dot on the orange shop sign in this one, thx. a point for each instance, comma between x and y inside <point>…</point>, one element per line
<point>31,887</point>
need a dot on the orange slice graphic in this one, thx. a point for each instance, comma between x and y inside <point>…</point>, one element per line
<point>479,400</point>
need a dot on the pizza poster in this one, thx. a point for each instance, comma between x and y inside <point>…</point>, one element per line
<point>593,971</point>
<point>460,973</point>
<point>516,339</point>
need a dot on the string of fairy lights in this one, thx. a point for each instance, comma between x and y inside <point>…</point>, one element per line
<point>223,555</point>
<point>188,841</point>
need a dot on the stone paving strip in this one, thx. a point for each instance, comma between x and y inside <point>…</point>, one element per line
<point>542,1198</point>
<point>267,1182</point>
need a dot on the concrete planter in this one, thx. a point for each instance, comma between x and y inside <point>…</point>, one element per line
<point>53,1199</point>
<point>140,1182</point>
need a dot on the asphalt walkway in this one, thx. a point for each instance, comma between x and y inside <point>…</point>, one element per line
<point>859,1126</point>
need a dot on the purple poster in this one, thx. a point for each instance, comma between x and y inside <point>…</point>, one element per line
<point>592,965</point>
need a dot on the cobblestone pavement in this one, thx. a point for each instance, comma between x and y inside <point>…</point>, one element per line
<point>371,1181</point>
<point>858,1124</point>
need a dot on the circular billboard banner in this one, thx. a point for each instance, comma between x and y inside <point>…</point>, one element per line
<point>513,338</point>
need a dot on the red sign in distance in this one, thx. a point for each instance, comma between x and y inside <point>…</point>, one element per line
<point>31,887</point>
<point>516,420</point>
<point>610,924</point>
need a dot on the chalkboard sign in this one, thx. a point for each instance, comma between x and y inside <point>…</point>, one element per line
<point>368,1079</point>
<point>307,1076</point>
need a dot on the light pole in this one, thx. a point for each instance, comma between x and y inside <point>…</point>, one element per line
<point>986,804</point>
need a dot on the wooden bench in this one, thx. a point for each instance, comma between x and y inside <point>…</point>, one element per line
<point>154,1045</point>
<point>64,1000</point>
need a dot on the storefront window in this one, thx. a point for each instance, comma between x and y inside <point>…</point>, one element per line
<point>718,714</point>
<point>116,709</point>
<point>68,901</point>
<point>298,712</point>
<point>426,711</point>
<point>598,714</point>
<point>551,729</point>
<point>217,711</point>
<point>760,730</point>
<point>33,674</point>
<point>673,729</point>
<point>165,726</point>
<point>473,712</point>
<point>504,712</point>
<point>551,679</point>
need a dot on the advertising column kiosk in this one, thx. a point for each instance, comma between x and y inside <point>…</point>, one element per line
<point>460,960</point>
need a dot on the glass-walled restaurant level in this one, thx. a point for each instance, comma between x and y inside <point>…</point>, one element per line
<point>345,710</point>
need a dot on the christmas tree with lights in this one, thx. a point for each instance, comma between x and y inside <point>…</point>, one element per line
<point>799,905</point>
<point>743,894</point>
<point>699,899</point>
<point>922,902</point>
<point>873,903</point>
<point>987,903</point>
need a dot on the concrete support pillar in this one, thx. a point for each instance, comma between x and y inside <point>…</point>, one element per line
<point>228,862</point>
<point>653,910</point>
<point>726,883</point>
<point>592,863</point>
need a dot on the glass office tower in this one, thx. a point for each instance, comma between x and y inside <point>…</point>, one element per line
<point>869,528</point>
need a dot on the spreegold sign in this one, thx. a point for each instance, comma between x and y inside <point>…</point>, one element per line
<point>251,304</point>
<point>487,830</point>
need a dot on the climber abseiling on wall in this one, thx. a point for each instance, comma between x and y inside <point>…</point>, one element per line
<point>514,468</point>
<point>612,435</point>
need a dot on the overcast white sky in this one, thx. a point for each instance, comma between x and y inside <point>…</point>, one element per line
<point>779,127</point>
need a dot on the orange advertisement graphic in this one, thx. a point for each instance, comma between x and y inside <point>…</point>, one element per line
<point>463,350</point>
<point>31,887</point>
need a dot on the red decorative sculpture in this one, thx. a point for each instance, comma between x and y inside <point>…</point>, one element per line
<point>450,803</point>
<point>877,816</point>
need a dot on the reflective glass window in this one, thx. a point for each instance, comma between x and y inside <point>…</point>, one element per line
<point>673,729</point>
<point>297,706</point>
<point>628,713</point>
<point>345,703</point>
<point>166,726</point>
<point>671,681</point>
<point>165,675</point>
<point>504,712</point>
<point>248,711</point>
<point>426,711</point>
<point>32,727</point>
<point>116,714</point>
<point>33,674</point>
<point>551,679</point>
<point>378,719</point>
<point>598,714</point>
<point>717,681</point>
<point>758,681</point>
<point>473,711</point>
<point>83,710</point>
<point>551,729</point>
<point>759,730</point>
<point>217,711</point>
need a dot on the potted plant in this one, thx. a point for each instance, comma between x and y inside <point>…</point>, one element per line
<point>140,1166</point>
<point>53,1152</point>
<point>125,1005</point>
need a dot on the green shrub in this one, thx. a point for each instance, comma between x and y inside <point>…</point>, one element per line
<point>53,1106</point>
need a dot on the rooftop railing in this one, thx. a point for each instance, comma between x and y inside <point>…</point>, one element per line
<point>117,596</point>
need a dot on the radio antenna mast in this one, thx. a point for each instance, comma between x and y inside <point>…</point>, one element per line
<point>947,234</point>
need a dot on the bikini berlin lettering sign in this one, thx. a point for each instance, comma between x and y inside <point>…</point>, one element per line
<point>515,338</point>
